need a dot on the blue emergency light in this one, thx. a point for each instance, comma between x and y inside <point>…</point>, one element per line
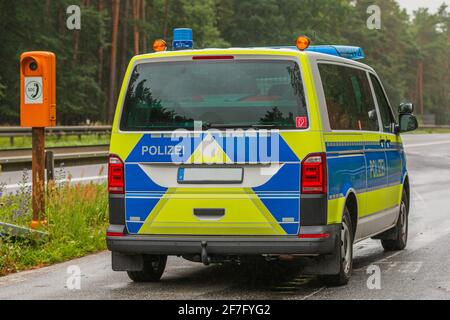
<point>349,52</point>
<point>182,39</point>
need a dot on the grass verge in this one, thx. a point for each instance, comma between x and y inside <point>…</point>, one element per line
<point>76,222</point>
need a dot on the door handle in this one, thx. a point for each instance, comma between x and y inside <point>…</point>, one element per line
<point>388,143</point>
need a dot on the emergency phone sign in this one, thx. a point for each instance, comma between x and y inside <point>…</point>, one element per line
<point>33,91</point>
<point>37,89</point>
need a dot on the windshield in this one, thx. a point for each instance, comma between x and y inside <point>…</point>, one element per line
<point>166,96</point>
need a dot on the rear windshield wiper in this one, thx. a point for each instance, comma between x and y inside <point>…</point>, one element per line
<point>233,125</point>
<point>224,125</point>
<point>263,126</point>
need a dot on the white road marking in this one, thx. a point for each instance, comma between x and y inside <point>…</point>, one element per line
<point>419,197</point>
<point>82,179</point>
<point>313,293</point>
<point>382,260</point>
<point>426,144</point>
<point>385,259</point>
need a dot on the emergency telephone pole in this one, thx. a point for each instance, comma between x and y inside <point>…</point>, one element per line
<point>38,111</point>
<point>38,179</point>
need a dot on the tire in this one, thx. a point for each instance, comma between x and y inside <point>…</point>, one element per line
<point>401,229</point>
<point>154,267</point>
<point>345,254</point>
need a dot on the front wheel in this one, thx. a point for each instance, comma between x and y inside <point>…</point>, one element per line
<point>401,229</point>
<point>154,267</point>
<point>345,254</point>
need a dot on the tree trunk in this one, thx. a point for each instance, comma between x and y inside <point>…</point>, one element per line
<point>76,37</point>
<point>166,17</point>
<point>144,35</point>
<point>419,86</point>
<point>124,40</point>
<point>76,40</point>
<point>100,8</point>
<point>47,14</point>
<point>101,62</point>
<point>136,9</point>
<point>112,75</point>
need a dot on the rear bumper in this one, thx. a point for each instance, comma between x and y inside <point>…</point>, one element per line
<point>227,245</point>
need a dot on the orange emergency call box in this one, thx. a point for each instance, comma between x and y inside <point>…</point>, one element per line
<point>38,89</point>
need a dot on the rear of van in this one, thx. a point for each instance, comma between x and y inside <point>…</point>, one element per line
<point>218,154</point>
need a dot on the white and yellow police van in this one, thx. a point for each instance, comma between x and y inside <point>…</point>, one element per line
<point>220,154</point>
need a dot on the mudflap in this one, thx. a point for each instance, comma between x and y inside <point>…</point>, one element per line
<point>127,262</point>
<point>325,264</point>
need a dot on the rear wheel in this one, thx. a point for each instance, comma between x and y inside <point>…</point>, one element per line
<point>401,229</point>
<point>154,267</point>
<point>345,253</point>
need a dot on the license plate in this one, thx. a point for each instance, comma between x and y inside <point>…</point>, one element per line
<point>210,175</point>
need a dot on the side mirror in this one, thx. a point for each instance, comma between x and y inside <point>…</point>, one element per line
<point>408,122</point>
<point>406,108</point>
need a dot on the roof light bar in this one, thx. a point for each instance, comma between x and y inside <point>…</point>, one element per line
<point>182,39</point>
<point>349,52</point>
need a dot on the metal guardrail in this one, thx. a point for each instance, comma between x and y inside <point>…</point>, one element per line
<point>19,159</point>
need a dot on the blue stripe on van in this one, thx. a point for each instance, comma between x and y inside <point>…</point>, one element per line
<point>141,196</point>
<point>281,196</point>
<point>286,179</point>
<point>346,172</point>
<point>134,227</point>
<point>136,180</point>
<point>253,148</point>
<point>138,209</point>
<point>343,146</point>
<point>290,228</point>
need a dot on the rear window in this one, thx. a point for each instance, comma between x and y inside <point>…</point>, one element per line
<point>166,96</point>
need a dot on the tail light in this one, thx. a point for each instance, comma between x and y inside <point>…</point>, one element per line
<point>314,235</point>
<point>116,181</point>
<point>314,174</point>
<point>115,234</point>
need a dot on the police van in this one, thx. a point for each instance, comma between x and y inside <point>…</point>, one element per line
<point>223,154</point>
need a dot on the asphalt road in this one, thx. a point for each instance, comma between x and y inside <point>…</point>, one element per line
<point>422,271</point>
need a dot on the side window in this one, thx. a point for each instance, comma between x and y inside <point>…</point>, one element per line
<point>387,117</point>
<point>349,99</point>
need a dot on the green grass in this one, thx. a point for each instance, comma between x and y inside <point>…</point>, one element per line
<point>53,141</point>
<point>76,223</point>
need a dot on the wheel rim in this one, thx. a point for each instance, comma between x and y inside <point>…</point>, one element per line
<point>403,221</point>
<point>346,248</point>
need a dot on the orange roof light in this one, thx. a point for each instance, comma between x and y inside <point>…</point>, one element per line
<point>303,43</point>
<point>159,45</point>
